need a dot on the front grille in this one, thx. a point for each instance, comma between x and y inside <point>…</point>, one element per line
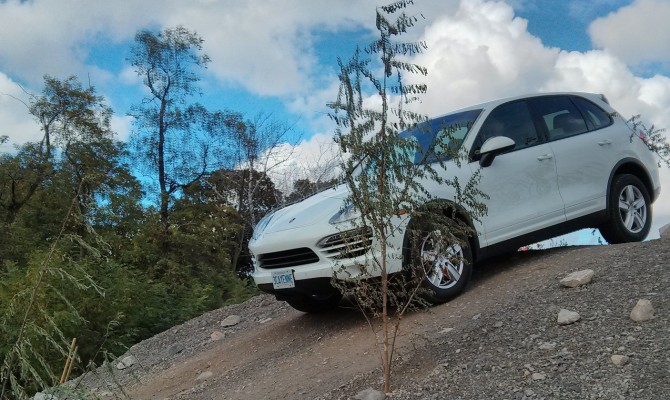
<point>287,258</point>
<point>347,244</point>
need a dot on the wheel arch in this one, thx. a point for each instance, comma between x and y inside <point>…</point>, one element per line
<point>450,208</point>
<point>633,167</point>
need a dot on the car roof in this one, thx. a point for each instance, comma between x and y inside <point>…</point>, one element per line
<point>493,103</point>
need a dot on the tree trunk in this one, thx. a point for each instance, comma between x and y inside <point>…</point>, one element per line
<point>165,195</point>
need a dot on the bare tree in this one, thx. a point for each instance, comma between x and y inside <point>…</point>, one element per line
<point>253,150</point>
<point>172,134</point>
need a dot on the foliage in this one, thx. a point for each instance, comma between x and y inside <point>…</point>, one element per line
<point>80,253</point>
<point>37,314</point>
<point>67,113</point>
<point>385,180</point>
<point>653,137</point>
<point>303,188</point>
<point>249,192</point>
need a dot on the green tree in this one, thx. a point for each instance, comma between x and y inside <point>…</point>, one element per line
<point>52,195</point>
<point>251,193</point>
<point>66,113</point>
<point>387,183</point>
<point>303,188</point>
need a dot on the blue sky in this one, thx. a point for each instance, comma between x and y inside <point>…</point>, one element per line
<point>279,56</point>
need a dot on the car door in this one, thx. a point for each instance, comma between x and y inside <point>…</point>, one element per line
<point>582,139</point>
<point>522,184</point>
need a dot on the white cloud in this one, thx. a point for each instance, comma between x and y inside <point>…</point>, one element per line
<point>265,46</point>
<point>636,33</point>
<point>122,126</point>
<point>54,37</point>
<point>481,52</point>
<point>15,120</point>
<point>316,159</point>
<point>478,50</point>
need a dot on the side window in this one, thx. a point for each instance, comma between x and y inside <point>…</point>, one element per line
<point>596,117</point>
<point>512,120</point>
<point>560,116</point>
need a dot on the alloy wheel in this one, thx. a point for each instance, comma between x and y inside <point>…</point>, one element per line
<point>632,208</point>
<point>442,262</point>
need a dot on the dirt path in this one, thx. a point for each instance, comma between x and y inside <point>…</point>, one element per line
<point>300,356</point>
<point>292,357</point>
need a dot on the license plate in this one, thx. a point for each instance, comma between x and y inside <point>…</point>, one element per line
<point>283,279</point>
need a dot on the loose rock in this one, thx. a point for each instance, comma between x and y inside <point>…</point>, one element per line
<point>619,360</point>
<point>643,311</point>
<point>548,346</point>
<point>538,376</point>
<point>44,396</point>
<point>567,317</point>
<point>578,278</point>
<point>126,362</point>
<point>370,394</point>
<point>231,320</point>
<point>175,349</point>
<point>664,232</point>
<point>204,375</point>
<point>217,335</point>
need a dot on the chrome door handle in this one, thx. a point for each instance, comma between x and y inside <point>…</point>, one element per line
<point>604,142</point>
<point>545,157</point>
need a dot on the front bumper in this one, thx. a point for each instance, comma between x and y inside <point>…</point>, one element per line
<point>305,287</point>
<point>330,261</point>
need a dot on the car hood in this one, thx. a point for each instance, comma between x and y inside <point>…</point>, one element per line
<point>319,207</point>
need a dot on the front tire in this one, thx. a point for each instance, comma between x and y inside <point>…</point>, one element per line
<point>629,211</point>
<point>445,266</point>
<point>315,304</point>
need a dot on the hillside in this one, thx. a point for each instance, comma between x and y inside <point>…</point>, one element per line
<point>499,340</point>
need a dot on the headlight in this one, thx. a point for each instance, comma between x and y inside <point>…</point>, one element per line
<point>347,213</point>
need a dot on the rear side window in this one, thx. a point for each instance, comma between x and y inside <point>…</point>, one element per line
<point>559,115</point>
<point>512,120</point>
<point>595,116</point>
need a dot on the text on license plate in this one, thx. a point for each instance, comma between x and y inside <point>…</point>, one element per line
<point>283,279</point>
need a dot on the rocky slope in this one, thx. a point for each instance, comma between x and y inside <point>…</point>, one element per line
<point>500,340</point>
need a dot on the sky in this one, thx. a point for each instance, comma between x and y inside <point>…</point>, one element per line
<point>279,57</point>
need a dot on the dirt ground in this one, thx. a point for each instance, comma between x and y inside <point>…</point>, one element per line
<point>487,343</point>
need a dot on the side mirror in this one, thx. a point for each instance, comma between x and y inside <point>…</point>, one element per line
<point>492,147</point>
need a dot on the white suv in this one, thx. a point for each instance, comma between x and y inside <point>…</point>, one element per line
<point>550,163</point>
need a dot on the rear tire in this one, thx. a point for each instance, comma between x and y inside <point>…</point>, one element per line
<point>315,304</point>
<point>629,211</point>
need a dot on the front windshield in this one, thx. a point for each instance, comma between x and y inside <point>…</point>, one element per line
<point>438,139</point>
<point>441,138</point>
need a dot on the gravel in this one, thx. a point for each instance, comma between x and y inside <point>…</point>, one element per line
<point>605,355</point>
